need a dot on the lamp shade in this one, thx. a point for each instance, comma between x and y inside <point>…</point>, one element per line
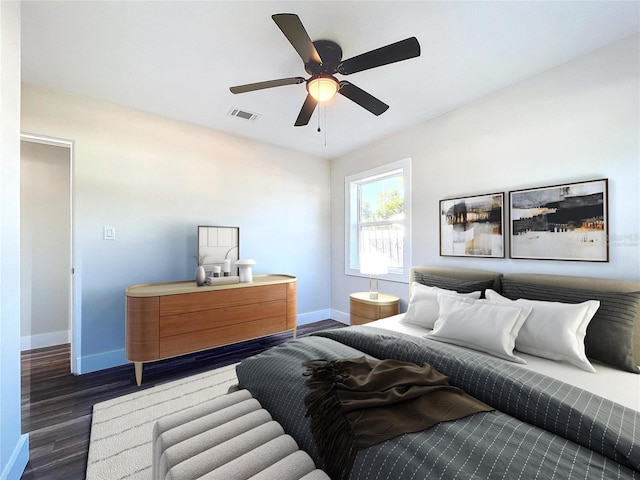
<point>374,264</point>
<point>244,269</point>
<point>322,87</point>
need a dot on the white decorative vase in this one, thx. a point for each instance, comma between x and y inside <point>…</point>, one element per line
<point>200,275</point>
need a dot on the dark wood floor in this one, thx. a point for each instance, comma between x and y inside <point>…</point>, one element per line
<point>57,406</point>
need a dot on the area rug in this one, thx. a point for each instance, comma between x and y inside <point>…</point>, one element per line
<point>120,443</point>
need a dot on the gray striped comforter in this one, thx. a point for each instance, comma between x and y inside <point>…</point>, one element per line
<point>542,428</point>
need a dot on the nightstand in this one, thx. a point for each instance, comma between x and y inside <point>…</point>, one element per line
<point>365,309</point>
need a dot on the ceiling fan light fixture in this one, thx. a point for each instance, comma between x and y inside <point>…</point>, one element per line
<point>323,87</point>
<point>322,59</point>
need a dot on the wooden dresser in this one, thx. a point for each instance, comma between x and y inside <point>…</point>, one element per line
<point>168,319</point>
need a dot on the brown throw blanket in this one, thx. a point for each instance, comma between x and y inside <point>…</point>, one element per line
<point>356,403</point>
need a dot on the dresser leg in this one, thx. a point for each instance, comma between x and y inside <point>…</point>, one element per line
<point>138,368</point>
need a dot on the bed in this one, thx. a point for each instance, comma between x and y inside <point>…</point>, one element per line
<point>576,416</point>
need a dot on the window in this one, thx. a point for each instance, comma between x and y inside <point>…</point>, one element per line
<point>377,218</point>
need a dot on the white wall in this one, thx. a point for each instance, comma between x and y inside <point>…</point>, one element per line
<point>14,447</point>
<point>155,180</point>
<point>45,242</point>
<point>576,122</point>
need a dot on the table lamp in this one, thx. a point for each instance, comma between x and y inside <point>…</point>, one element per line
<point>244,270</point>
<point>373,264</point>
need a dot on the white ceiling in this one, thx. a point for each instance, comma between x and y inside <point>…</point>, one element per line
<point>178,58</point>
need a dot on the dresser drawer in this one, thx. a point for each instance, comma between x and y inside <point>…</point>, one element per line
<point>220,317</point>
<point>197,302</point>
<point>194,341</point>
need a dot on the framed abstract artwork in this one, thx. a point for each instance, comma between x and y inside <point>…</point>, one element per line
<point>561,222</point>
<point>472,226</point>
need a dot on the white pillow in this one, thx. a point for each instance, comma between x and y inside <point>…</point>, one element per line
<point>554,330</point>
<point>423,304</point>
<point>490,327</point>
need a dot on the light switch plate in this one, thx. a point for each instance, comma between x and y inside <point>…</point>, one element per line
<point>109,233</point>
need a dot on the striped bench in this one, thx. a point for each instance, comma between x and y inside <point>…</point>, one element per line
<point>231,438</point>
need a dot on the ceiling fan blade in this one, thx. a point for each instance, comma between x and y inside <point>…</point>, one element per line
<point>250,87</point>
<point>395,52</point>
<point>307,110</point>
<point>362,98</point>
<point>295,32</point>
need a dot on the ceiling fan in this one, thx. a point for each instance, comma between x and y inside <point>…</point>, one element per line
<point>322,59</point>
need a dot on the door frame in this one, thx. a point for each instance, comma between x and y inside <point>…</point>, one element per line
<point>74,310</point>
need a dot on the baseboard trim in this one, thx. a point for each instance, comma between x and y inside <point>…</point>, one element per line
<point>311,317</point>
<point>18,461</point>
<point>341,317</point>
<point>49,339</point>
<point>100,361</point>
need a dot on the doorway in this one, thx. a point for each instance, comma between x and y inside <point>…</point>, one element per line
<point>46,245</point>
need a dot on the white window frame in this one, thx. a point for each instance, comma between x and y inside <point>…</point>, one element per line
<point>351,212</point>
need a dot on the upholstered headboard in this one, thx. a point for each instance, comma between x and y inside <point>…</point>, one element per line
<point>460,273</point>
<point>560,281</point>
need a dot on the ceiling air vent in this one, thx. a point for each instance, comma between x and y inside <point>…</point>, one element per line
<point>236,112</point>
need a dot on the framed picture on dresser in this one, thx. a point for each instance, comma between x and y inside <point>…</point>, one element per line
<point>219,249</point>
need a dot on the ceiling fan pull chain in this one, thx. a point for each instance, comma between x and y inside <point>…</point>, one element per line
<point>325,125</point>
<point>322,110</point>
